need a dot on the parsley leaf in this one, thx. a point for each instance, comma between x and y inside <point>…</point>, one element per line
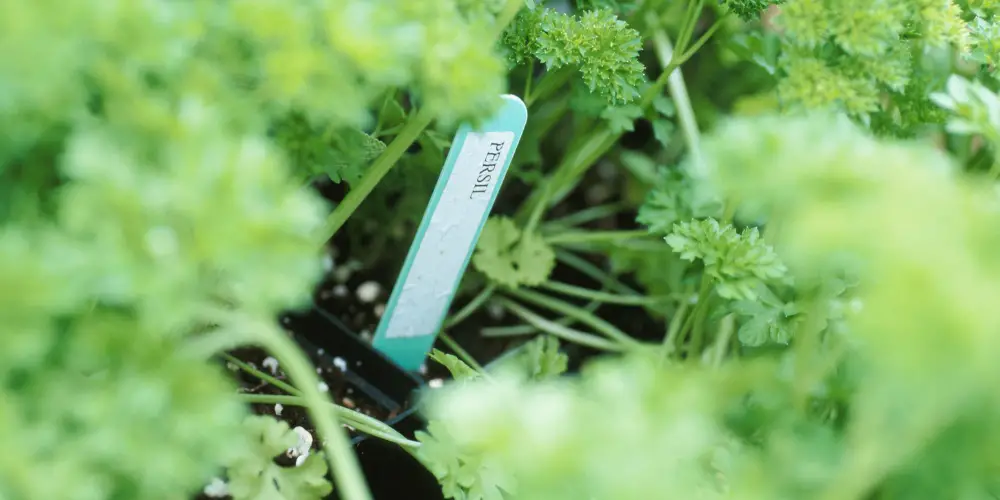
<point>510,258</point>
<point>603,48</point>
<point>462,475</point>
<point>738,262</point>
<point>459,370</point>
<point>255,476</point>
<point>542,358</point>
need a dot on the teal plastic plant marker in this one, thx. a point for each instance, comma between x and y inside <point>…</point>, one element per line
<point>461,203</point>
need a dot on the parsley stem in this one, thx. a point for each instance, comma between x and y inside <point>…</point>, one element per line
<point>506,16</point>
<point>701,40</point>
<point>381,112</point>
<point>590,270</point>
<point>360,421</point>
<point>347,474</point>
<point>699,314</point>
<point>678,90</point>
<point>561,331</point>
<point>518,330</point>
<point>585,317</point>
<point>529,79</point>
<point>415,125</point>
<point>691,15</point>
<point>674,328</point>
<point>210,343</point>
<point>460,352</point>
<point>584,216</point>
<point>726,329</point>
<point>599,296</point>
<point>550,82</point>
<point>594,236</point>
<point>261,375</point>
<point>471,307</point>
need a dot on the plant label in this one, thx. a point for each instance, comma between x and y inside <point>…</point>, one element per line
<point>458,209</point>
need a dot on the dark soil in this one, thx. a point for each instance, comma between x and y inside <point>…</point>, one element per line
<point>341,391</point>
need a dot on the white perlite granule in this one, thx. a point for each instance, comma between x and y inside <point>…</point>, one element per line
<point>368,291</point>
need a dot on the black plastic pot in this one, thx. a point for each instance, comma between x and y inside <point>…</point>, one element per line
<point>391,472</point>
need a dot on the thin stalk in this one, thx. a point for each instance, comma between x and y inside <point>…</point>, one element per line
<point>691,16</point>
<point>415,125</point>
<point>510,10</point>
<point>726,329</point>
<point>529,80</point>
<point>601,326</point>
<point>389,131</point>
<point>563,332</point>
<point>675,81</point>
<point>471,307</point>
<point>381,112</point>
<point>460,352</point>
<point>595,236</point>
<point>701,40</point>
<point>347,474</point>
<point>550,82</point>
<point>584,216</point>
<point>670,339</point>
<point>210,343</point>
<point>594,272</point>
<point>261,375</point>
<point>514,330</point>
<point>609,298</point>
<point>358,420</point>
<point>520,330</point>
<point>701,311</point>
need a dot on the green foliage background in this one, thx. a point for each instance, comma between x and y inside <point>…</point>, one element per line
<point>824,258</point>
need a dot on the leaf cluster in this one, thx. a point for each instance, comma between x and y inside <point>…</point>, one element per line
<point>256,476</point>
<point>510,257</point>
<point>738,262</point>
<point>601,47</point>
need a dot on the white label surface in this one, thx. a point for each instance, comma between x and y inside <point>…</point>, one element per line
<point>452,231</point>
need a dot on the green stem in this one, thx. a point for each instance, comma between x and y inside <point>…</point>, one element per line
<point>595,236</point>
<point>510,10</point>
<point>726,330</point>
<point>594,272</point>
<point>210,343</point>
<point>528,81</point>
<point>385,161</point>
<point>262,376</point>
<point>558,330</point>
<point>691,16</point>
<point>584,216</point>
<point>460,352</point>
<point>357,420</point>
<point>678,90</point>
<point>471,307</point>
<point>669,340</point>
<point>389,131</point>
<point>701,40</point>
<point>589,319</point>
<point>550,82</point>
<point>347,474</point>
<point>610,298</point>
<point>381,112</point>
<point>701,311</point>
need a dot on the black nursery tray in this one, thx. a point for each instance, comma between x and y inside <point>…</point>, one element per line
<point>391,472</point>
